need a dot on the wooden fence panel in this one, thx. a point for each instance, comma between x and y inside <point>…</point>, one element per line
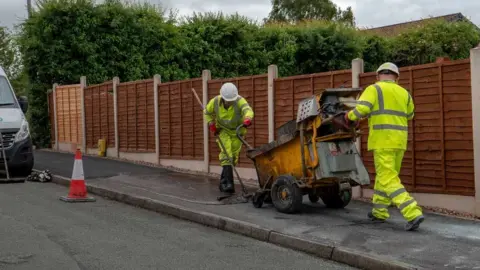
<point>99,114</point>
<point>289,91</point>
<point>136,116</point>
<point>255,90</point>
<point>458,132</point>
<point>180,120</point>
<point>439,158</point>
<point>68,99</point>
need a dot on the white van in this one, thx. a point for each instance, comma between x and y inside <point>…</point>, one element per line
<point>17,142</point>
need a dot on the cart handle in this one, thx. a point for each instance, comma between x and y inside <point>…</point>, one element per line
<point>249,147</point>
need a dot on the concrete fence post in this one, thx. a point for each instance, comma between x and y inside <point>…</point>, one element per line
<point>83,84</point>
<point>206,76</point>
<point>55,116</point>
<point>357,69</point>
<point>52,138</point>
<point>475,82</point>
<point>157,80</point>
<point>272,75</point>
<point>115,83</point>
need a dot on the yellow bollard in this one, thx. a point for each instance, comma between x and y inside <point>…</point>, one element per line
<point>102,147</point>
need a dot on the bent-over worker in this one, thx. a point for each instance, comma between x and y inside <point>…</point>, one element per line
<point>225,113</point>
<point>389,107</point>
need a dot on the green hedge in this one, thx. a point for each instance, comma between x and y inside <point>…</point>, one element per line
<point>66,39</point>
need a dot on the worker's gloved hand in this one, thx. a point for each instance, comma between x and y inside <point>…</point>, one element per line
<point>212,127</point>
<point>247,122</point>
<point>345,115</point>
<point>351,123</point>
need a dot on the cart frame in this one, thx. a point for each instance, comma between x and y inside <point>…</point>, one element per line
<point>301,179</point>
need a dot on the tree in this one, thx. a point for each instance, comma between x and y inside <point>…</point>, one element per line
<point>66,39</point>
<point>293,11</point>
<point>10,61</point>
<point>7,53</point>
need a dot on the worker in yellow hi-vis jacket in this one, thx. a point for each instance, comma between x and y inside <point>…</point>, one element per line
<point>225,113</point>
<point>389,107</point>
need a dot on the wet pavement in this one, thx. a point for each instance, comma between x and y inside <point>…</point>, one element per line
<point>441,243</point>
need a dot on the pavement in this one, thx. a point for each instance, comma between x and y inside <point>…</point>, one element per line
<point>342,235</point>
<point>38,231</point>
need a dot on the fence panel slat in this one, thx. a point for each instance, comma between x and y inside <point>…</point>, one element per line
<point>68,99</point>
<point>180,120</point>
<point>99,114</point>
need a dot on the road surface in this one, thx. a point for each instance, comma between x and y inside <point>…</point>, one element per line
<point>38,231</point>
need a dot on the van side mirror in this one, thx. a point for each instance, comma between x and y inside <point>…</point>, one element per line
<point>23,101</point>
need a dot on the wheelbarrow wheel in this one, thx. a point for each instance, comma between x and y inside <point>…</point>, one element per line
<point>313,197</point>
<point>267,199</point>
<point>258,199</point>
<point>286,195</point>
<point>337,200</point>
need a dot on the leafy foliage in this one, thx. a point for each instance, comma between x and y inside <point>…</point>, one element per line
<point>227,45</point>
<point>66,39</point>
<point>423,44</point>
<point>7,52</point>
<point>295,11</point>
<point>10,61</point>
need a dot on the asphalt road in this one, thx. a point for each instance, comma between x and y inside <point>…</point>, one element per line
<point>38,231</point>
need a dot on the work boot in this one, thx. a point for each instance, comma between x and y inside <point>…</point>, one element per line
<point>414,224</point>
<point>373,218</point>
<point>223,180</point>
<point>229,186</point>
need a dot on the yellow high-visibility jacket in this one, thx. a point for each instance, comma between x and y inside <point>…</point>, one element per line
<point>388,107</point>
<point>230,118</point>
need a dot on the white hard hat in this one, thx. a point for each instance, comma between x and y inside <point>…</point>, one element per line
<point>389,66</point>
<point>229,92</point>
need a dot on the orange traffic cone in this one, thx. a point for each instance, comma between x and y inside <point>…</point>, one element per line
<point>78,189</point>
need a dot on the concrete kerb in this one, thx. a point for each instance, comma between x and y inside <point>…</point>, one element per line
<point>323,250</point>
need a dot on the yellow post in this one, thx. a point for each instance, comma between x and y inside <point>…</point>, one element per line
<point>102,147</point>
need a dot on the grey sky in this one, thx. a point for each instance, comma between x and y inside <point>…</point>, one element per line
<point>368,14</point>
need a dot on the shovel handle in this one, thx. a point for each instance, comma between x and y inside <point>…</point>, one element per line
<point>240,137</point>
<point>198,99</point>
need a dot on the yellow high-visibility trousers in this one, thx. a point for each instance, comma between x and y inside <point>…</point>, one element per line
<point>388,188</point>
<point>232,144</point>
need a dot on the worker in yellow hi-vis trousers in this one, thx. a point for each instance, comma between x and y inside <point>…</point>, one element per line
<point>226,112</point>
<point>389,107</point>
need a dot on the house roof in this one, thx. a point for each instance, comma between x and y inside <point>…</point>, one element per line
<point>395,29</point>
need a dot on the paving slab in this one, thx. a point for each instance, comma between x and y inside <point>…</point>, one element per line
<point>441,242</point>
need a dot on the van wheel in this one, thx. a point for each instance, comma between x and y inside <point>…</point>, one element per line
<point>22,171</point>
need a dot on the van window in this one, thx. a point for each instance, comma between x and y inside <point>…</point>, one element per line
<point>6,94</point>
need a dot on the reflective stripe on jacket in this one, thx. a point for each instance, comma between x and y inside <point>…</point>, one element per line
<point>388,107</point>
<point>229,118</point>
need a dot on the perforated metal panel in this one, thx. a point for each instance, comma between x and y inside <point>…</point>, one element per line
<point>307,108</point>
